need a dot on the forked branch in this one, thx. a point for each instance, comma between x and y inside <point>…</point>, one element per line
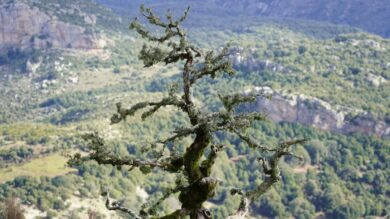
<point>99,152</point>
<point>271,170</point>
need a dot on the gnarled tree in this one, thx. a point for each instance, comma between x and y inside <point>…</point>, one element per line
<point>195,163</point>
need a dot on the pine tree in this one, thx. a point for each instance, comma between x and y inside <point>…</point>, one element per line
<point>172,47</point>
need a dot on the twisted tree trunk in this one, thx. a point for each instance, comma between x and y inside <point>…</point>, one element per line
<point>201,185</point>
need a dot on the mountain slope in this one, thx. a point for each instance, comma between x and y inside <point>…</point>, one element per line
<point>54,24</point>
<point>65,92</point>
<point>372,16</point>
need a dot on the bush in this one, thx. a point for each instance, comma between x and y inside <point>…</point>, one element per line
<point>302,49</point>
<point>117,70</point>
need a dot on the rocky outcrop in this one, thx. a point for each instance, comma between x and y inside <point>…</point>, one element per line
<point>314,112</point>
<point>27,26</point>
<point>246,60</point>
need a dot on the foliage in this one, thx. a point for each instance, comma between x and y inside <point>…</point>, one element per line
<point>328,167</point>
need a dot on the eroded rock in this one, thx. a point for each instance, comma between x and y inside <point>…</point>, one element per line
<point>317,113</point>
<point>26,26</point>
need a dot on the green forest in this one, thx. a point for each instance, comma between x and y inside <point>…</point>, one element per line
<point>44,115</point>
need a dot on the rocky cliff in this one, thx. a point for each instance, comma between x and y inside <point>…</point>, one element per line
<point>314,112</point>
<point>26,26</point>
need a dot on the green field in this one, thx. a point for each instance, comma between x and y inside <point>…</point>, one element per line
<point>50,166</point>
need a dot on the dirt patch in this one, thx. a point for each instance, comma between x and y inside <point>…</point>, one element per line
<point>304,168</point>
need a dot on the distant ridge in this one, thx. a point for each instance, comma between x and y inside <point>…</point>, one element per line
<point>372,16</point>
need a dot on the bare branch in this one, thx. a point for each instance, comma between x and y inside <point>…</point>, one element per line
<point>151,208</point>
<point>168,101</point>
<point>212,66</point>
<point>172,30</point>
<point>243,208</point>
<point>141,30</point>
<point>148,14</point>
<point>115,206</point>
<point>231,101</point>
<point>185,15</point>
<point>198,52</point>
<point>102,155</point>
<point>202,122</point>
<point>252,142</point>
<point>180,133</point>
<point>271,168</point>
<point>245,120</point>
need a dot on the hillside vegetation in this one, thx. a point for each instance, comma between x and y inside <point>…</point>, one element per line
<point>44,112</point>
<point>371,16</point>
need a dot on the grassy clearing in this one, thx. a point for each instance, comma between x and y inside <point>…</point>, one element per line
<point>104,77</point>
<point>53,165</point>
<point>18,130</point>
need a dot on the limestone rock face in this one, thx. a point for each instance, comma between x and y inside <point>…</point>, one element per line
<point>314,112</point>
<point>25,26</point>
<point>246,59</point>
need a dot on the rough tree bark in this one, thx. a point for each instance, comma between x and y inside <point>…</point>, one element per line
<point>174,47</point>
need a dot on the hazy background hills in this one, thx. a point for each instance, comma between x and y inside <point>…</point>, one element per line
<point>372,16</point>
